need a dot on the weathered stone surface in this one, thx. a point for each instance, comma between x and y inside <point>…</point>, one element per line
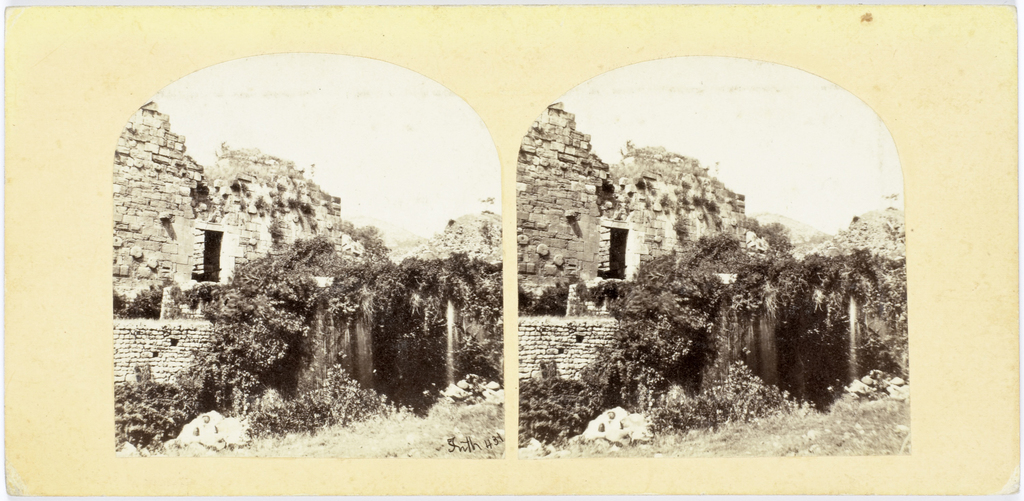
<point>163,204</point>
<point>565,201</point>
<point>566,344</point>
<point>172,342</point>
<point>617,426</point>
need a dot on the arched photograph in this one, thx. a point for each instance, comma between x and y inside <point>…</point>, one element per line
<point>711,262</point>
<point>307,262</point>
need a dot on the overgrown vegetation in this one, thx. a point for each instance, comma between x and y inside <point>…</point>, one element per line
<point>266,337</point>
<point>145,304</point>
<point>555,409</point>
<point>551,301</point>
<point>741,397</point>
<point>147,413</point>
<point>338,401</point>
<point>674,323</point>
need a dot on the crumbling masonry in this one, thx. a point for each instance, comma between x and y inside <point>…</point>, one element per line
<point>173,224</point>
<point>576,222</point>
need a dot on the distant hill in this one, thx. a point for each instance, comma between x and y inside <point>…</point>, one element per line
<point>478,235</point>
<point>882,232</point>
<point>799,233</point>
<point>399,240</point>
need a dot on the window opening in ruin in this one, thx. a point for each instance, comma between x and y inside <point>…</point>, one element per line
<point>156,354</point>
<point>579,339</point>
<point>617,254</point>
<point>174,342</point>
<point>210,270</point>
<point>561,351</point>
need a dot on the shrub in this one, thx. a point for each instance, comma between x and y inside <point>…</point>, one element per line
<point>608,291</point>
<point>555,409</point>
<point>339,401</point>
<point>552,301</point>
<point>148,413</point>
<point>741,397</point>
<point>277,230</point>
<point>480,358</point>
<point>146,304</point>
<point>682,229</point>
<point>526,300</point>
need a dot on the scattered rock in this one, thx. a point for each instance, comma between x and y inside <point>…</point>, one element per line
<point>128,451</point>
<point>877,385</point>
<point>473,390</point>
<point>210,431</point>
<point>617,426</point>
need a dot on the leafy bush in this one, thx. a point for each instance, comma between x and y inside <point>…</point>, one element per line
<point>555,409</point>
<point>608,291</point>
<point>263,323</point>
<point>146,304</point>
<point>339,401</point>
<point>667,320</point>
<point>147,414</point>
<point>552,301</point>
<point>741,397</point>
<point>526,300</point>
<point>481,358</point>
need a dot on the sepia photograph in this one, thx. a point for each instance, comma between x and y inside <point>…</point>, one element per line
<point>711,263</point>
<point>307,263</point>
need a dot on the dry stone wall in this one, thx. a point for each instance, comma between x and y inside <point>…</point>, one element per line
<point>564,346</point>
<point>157,350</point>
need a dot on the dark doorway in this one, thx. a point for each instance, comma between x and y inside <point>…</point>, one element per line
<point>210,270</point>
<point>617,253</point>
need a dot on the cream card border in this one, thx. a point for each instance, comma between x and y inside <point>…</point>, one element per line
<point>944,80</point>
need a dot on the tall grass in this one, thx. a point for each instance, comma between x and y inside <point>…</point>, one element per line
<point>849,428</point>
<point>399,435</point>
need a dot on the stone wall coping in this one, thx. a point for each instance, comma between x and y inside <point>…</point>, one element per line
<point>148,323</point>
<point>601,321</point>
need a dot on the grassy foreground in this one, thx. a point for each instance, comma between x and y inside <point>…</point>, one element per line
<point>442,433</point>
<point>849,428</point>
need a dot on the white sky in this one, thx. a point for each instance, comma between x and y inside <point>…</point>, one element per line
<point>793,143</point>
<point>393,144</point>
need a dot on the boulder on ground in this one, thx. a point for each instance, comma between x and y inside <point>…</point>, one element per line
<point>211,430</point>
<point>474,389</point>
<point>617,426</point>
<point>127,451</point>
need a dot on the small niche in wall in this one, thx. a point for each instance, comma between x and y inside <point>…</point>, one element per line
<point>579,338</point>
<point>174,341</point>
<point>156,354</point>
<point>561,351</point>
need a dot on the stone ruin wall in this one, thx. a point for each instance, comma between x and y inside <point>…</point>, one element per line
<point>158,350</point>
<point>163,206</point>
<point>568,205</point>
<point>567,344</point>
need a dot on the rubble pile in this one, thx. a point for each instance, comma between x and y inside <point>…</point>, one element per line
<point>474,389</point>
<point>210,431</point>
<point>617,426</point>
<point>878,385</point>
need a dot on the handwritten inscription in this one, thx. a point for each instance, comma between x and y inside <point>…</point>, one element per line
<point>469,445</point>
